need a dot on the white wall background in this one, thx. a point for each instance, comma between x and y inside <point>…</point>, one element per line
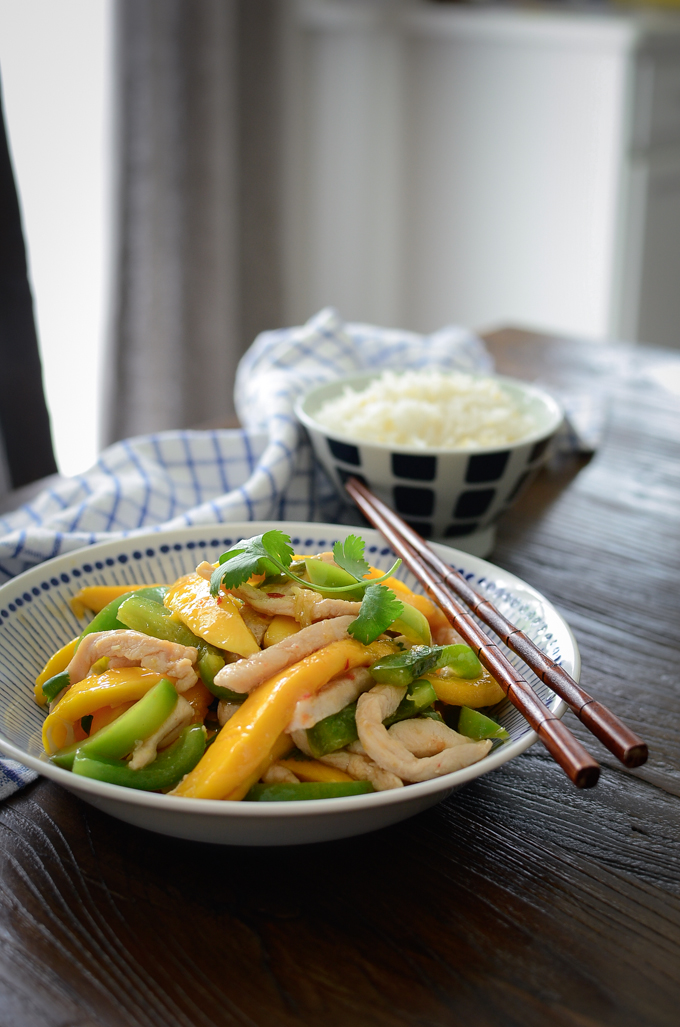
<point>454,164</point>
<point>55,62</point>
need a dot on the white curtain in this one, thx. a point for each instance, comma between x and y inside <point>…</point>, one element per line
<point>197,219</point>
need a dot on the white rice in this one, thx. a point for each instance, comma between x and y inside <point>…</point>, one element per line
<point>428,409</point>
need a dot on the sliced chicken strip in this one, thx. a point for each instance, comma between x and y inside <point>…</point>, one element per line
<point>326,556</point>
<point>279,775</point>
<point>426,737</point>
<point>305,605</point>
<point>361,768</point>
<point>226,710</point>
<point>145,751</point>
<point>391,754</point>
<point>322,608</point>
<point>332,698</point>
<point>244,675</point>
<point>127,648</point>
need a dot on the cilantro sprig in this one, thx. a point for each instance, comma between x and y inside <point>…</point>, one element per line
<point>269,553</point>
<point>272,553</point>
<point>350,556</point>
<point>379,608</point>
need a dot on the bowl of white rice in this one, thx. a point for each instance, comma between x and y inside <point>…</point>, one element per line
<point>449,450</point>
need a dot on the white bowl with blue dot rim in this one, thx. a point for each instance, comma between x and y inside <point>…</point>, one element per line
<point>455,495</point>
<point>36,619</point>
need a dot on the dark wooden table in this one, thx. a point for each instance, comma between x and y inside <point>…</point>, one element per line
<point>519,901</point>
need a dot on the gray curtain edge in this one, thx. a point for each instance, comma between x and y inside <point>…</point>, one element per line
<point>197,269</point>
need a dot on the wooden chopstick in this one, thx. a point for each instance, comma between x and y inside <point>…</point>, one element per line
<point>627,746</point>
<point>565,749</point>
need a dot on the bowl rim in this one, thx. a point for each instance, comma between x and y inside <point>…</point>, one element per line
<point>319,807</point>
<point>554,408</point>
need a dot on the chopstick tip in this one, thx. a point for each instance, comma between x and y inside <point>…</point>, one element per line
<point>635,756</point>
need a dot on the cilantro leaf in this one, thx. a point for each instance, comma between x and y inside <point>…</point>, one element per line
<point>271,553</point>
<point>379,608</point>
<point>350,556</point>
<point>278,546</point>
<point>263,554</point>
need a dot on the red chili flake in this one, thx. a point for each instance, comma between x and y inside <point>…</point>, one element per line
<point>347,665</point>
<point>276,595</point>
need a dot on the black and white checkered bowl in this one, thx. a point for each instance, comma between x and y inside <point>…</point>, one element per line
<point>443,493</point>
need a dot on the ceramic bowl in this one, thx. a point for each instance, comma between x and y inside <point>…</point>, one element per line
<point>36,619</point>
<point>455,494</point>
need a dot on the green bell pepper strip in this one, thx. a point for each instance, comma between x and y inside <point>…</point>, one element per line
<point>289,792</point>
<point>118,738</point>
<point>328,575</point>
<point>462,660</point>
<point>166,771</point>
<point>420,695</point>
<point>477,725</point>
<point>155,593</point>
<point>139,722</point>
<point>333,732</point>
<point>139,614</point>
<point>340,729</point>
<point>209,663</point>
<point>413,625</point>
<point>65,757</point>
<point>279,578</point>
<point>108,620</point>
<point>403,668</point>
<point>56,684</point>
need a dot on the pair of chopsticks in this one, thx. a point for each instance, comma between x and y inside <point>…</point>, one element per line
<point>447,587</point>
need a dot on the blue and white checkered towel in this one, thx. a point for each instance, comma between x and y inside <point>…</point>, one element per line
<point>264,471</point>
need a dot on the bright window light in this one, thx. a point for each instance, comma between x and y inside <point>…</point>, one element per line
<point>55,62</point>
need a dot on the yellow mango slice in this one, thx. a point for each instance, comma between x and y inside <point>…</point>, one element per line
<point>216,619</point>
<point>282,746</point>
<point>312,770</point>
<point>482,691</point>
<point>113,687</point>
<point>279,628</point>
<point>200,698</point>
<point>247,738</point>
<point>54,665</point>
<point>394,583</point>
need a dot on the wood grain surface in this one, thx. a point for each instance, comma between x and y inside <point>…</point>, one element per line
<point>518,901</point>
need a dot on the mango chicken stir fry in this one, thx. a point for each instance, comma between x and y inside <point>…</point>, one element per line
<point>267,676</point>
